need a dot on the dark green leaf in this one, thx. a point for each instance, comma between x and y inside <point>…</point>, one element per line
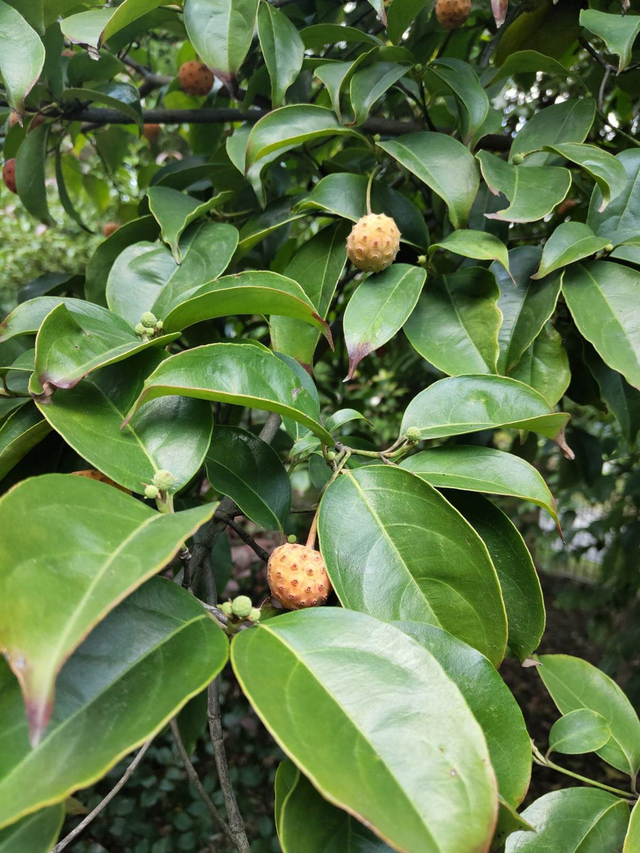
<point>544,365</point>
<point>607,171</point>
<point>282,48</point>
<point>568,121</point>
<point>21,431</point>
<point>570,242</point>
<point>618,32</point>
<point>30,173</point>
<point>65,198</point>
<point>474,244</point>
<point>472,101</point>
<point>221,32</point>
<point>175,210</point>
<point>91,29</point>
<point>527,61</point>
<point>632,838</point>
<point>370,83</point>
<point>21,58</point>
<point>320,34</point>
<point>35,833</point>
<point>619,222</point>
<point>123,97</point>
<point>578,732</point>
<point>622,400</point>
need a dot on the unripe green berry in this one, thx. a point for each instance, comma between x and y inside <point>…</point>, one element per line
<point>254,615</point>
<point>518,159</point>
<point>241,606</point>
<point>148,320</point>
<point>413,434</point>
<point>226,608</point>
<point>331,455</point>
<point>422,260</point>
<point>159,325</point>
<point>151,492</point>
<point>608,247</point>
<point>163,480</point>
<point>292,538</point>
<point>140,329</point>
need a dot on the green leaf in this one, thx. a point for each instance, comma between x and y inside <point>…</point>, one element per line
<point>471,99</point>
<point>533,191</point>
<point>23,429</point>
<point>379,308</point>
<point>102,260</point>
<point>129,677</point>
<point>175,210</point>
<point>317,267</point>
<point>344,195</point>
<point>79,531</point>
<point>571,821</point>
<point>509,821</point>
<point>544,365</point>
<point>30,173</point>
<point>123,97</point>
<point>480,245</point>
<point>376,525</point>
<point>319,35</point>
<point>570,242</point>
<point>37,832</point>
<point>527,61</point>
<point>282,48</point>
<point>221,32</point>
<point>145,276</point>
<point>573,683</point>
<point>307,823</point>
<point>326,717</point>
<point>241,374</point>
<point>172,434</point>
<point>607,171</point>
<point>463,404</point>
<point>444,165</point>
<point>632,838</point>
<point>21,58</point>
<point>482,469</point>
<point>401,16</point>
<point>289,127</point>
<point>578,732</point>
<point>568,121</point>
<point>335,75</point>
<point>618,32</point>
<point>619,222</point>
<point>491,703</point>
<point>370,83</point>
<point>249,292</point>
<point>455,324</point>
<point>27,318</point>
<point>622,400</point>
<point>518,578</point>
<point>63,193</point>
<point>248,470</point>
<point>274,216</point>
<point>91,29</point>
<point>526,305</point>
<point>70,345</point>
<point>599,294</point>
<point>628,251</point>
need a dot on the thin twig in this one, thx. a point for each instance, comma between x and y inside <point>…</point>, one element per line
<point>594,53</point>
<point>185,558</point>
<point>601,91</point>
<point>105,802</point>
<point>249,540</point>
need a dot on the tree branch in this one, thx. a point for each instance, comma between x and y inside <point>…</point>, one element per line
<point>249,540</point>
<point>105,802</point>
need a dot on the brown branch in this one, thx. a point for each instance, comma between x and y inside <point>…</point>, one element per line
<point>246,538</point>
<point>105,802</point>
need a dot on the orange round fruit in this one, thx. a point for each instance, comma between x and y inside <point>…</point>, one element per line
<point>452,13</point>
<point>373,242</point>
<point>297,577</point>
<point>9,175</point>
<point>195,78</point>
<point>109,227</point>
<point>151,132</point>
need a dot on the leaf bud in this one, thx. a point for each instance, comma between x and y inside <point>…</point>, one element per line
<point>163,480</point>
<point>517,159</point>
<point>148,320</point>
<point>151,492</point>
<point>413,434</point>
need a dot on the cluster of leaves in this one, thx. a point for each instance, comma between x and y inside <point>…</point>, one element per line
<point>221,295</point>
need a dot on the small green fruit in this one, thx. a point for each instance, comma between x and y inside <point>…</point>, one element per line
<point>413,434</point>
<point>331,455</point>
<point>148,320</point>
<point>151,492</point>
<point>292,538</point>
<point>159,325</point>
<point>140,329</point>
<point>254,615</point>
<point>226,608</point>
<point>241,606</point>
<point>518,159</point>
<point>163,480</point>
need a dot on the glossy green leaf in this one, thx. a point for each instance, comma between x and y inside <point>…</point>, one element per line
<point>318,35</point>
<point>379,308</point>
<point>445,166</point>
<point>30,173</point>
<point>480,245</point>
<point>36,833</point>
<point>317,267</point>
<point>607,171</point>
<point>570,242</point>
<point>491,703</point>
<point>471,99</point>
<point>291,126</point>
<point>628,251</point>
<point>27,318</point>
<point>23,429</point>
<point>574,820</point>
<point>518,578</point>
<point>91,29</point>
<point>370,83</point>
<point>21,58</point>
<point>249,292</point>
<point>532,191</point>
<point>129,677</point>
<point>63,193</point>
<point>175,210</point>
<point>171,434</point>
<point>599,294</point>
<point>622,400</point>
<point>619,222</point>
<point>482,469</point>
<point>632,838</point>
<point>573,683</point>
<point>345,195</point>
<point>401,16</point>
<point>313,678</point>
<point>282,48</point>
<point>382,536</point>
<point>241,374</point>
<point>70,345</point>
<point>578,732</point>
<point>123,97</point>
<point>248,470</point>
<point>618,32</point>
<point>79,530</point>
<point>509,821</point>
<point>568,121</point>
<point>455,324</point>
<point>276,215</point>
<point>526,305</point>
<point>527,61</point>
<point>544,365</point>
<point>102,260</point>
<point>463,404</point>
<point>221,32</point>
<point>307,823</point>
<point>335,75</point>
<point>145,276</point>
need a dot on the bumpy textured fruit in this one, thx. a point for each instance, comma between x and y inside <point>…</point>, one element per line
<point>109,227</point>
<point>297,577</point>
<point>163,480</point>
<point>101,478</point>
<point>453,13</point>
<point>241,606</point>
<point>151,132</point>
<point>9,175</point>
<point>373,242</point>
<point>195,78</point>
